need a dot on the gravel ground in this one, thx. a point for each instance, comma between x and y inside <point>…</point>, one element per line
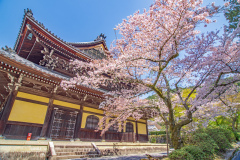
<point>128,157</point>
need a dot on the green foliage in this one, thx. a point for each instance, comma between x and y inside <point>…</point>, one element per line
<point>180,155</point>
<point>232,13</point>
<point>152,97</point>
<point>153,140</point>
<point>220,121</point>
<point>205,142</point>
<point>220,138</point>
<point>195,151</point>
<point>228,133</point>
<point>186,91</point>
<point>237,135</point>
<point>157,132</point>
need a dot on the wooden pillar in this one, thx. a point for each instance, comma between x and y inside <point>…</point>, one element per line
<point>47,119</point>
<point>104,134</point>
<point>78,124</point>
<point>136,130</point>
<point>147,129</point>
<point>7,111</point>
<point>49,128</point>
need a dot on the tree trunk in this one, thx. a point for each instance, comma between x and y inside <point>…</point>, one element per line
<point>234,119</point>
<point>236,126</point>
<point>176,137</point>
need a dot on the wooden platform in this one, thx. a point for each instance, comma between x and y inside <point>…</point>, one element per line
<point>75,149</point>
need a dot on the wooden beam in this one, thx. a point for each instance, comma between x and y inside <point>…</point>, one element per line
<point>7,111</point>
<point>78,123</point>
<point>136,130</point>
<point>147,130</point>
<point>51,122</point>
<point>21,43</point>
<point>47,119</point>
<point>32,48</point>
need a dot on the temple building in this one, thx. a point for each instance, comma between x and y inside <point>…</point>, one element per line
<point>32,100</point>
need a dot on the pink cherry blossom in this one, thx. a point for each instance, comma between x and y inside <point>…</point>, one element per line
<point>161,52</point>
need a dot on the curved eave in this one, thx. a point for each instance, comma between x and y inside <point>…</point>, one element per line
<point>89,44</point>
<point>13,61</point>
<point>50,35</point>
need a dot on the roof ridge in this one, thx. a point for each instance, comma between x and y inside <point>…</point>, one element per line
<point>28,13</point>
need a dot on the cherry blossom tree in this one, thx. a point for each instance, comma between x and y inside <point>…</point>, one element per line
<point>159,52</point>
<point>230,100</point>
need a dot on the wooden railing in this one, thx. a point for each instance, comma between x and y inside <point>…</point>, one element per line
<point>142,137</point>
<point>91,135</point>
<point>128,137</point>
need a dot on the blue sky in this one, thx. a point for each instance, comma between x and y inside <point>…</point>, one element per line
<point>74,20</point>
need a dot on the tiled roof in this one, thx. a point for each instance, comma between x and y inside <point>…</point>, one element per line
<point>28,14</point>
<point>17,58</point>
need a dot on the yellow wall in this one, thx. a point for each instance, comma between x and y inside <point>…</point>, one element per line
<point>134,126</point>
<point>142,128</point>
<point>84,118</point>
<point>142,120</point>
<point>66,104</point>
<point>32,97</point>
<point>93,110</point>
<point>28,112</point>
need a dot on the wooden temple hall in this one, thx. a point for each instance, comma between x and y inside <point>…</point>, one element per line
<point>32,100</point>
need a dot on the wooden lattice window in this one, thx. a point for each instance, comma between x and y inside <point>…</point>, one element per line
<point>113,128</point>
<point>129,127</point>
<point>92,122</point>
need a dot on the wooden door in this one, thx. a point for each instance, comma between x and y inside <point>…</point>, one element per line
<point>63,125</point>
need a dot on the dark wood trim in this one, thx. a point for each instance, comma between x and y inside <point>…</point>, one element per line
<point>22,41</point>
<point>7,111</point>
<point>21,144</point>
<point>31,101</point>
<point>67,99</point>
<point>21,137</point>
<point>51,123</point>
<point>93,113</point>
<point>24,124</point>
<point>136,123</point>
<point>65,108</point>
<point>91,140</point>
<point>147,131</point>
<point>32,48</point>
<point>78,123</point>
<point>35,92</point>
<point>90,105</point>
<point>47,118</point>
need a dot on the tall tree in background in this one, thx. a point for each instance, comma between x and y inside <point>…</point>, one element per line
<point>232,13</point>
<point>159,52</point>
<point>231,100</point>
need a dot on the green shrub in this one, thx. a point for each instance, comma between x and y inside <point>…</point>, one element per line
<point>220,138</point>
<point>206,143</point>
<point>180,155</point>
<point>208,149</point>
<point>157,132</point>
<point>228,133</point>
<point>195,151</point>
<point>236,136</point>
<point>153,140</point>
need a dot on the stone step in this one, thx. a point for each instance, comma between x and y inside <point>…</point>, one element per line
<point>73,146</point>
<point>75,156</point>
<point>74,149</point>
<point>76,153</point>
